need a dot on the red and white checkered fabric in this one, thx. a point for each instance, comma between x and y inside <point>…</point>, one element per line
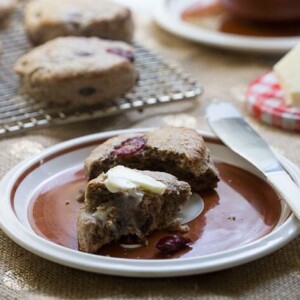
<point>265,101</point>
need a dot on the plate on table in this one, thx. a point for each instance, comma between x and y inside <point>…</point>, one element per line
<point>204,21</point>
<point>238,224</point>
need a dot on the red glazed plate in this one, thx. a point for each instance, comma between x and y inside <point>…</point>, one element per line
<point>238,223</point>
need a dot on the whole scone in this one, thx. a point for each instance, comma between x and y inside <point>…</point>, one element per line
<point>48,19</point>
<point>108,216</point>
<point>7,7</point>
<point>178,151</point>
<point>77,71</point>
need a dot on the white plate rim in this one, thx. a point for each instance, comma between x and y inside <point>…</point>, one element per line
<point>176,26</point>
<point>11,225</point>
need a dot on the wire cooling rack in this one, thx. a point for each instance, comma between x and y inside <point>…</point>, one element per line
<point>160,83</point>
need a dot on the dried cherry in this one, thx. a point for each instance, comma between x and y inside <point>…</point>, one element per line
<point>130,147</point>
<point>87,91</point>
<point>172,243</point>
<point>79,52</point>
<point>122,52</point>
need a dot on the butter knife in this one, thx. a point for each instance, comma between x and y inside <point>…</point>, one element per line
<point>229,125</point>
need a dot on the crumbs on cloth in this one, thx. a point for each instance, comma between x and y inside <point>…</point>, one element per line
<point>24,149</point>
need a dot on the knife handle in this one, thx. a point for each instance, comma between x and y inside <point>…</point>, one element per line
<point>287,189</point>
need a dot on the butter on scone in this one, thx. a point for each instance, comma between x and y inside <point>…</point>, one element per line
<point>121,179</point>
<point>77,71</point>
<point>178,151</point>
<point>48,19</point>
<point>287,72</point>
<point>126,202</point>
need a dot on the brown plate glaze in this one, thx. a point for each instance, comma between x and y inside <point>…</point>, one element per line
<point>242,209</point>
<point>243,219</point>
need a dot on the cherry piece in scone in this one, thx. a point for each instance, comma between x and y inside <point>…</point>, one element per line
<point>130,147</point>
<point>121,52</point>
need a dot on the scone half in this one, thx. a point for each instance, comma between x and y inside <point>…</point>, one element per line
<point>178,151</point>
<point>107,216</point>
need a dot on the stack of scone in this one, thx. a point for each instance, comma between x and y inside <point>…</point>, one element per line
<point>167,165</point>
<point>84,58</point>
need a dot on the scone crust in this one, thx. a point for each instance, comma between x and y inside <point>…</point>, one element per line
<point>63,70</point>
<point>176,150</point>
<point>186,146</point>
<point>48,19</point>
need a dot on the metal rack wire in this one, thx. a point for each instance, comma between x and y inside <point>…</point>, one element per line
<point>160,83</point>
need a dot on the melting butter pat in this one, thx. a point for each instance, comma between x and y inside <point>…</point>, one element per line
<point>287,72</point>
<point>122,179</point>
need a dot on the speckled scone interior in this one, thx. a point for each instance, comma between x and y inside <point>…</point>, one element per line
<point>77,71</point>
<point>48,19</point>
<point>178,151</point>
<point>107,217</point>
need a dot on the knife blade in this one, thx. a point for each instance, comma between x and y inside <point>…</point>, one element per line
<point>230,126</point>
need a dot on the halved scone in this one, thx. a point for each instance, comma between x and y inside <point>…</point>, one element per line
<point>178,151</point>
<point>126,202</point>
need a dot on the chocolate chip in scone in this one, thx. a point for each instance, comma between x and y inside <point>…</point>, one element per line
<point>126,15</point>
<point>79,52</point>
<point>121,52</point>
<point>137,78</point>
<point>75,25</point>
<point>87,91</point>
<point>146,226</point>
<point>130,147</point>
<point>74,20</point>
<point>35,40</point>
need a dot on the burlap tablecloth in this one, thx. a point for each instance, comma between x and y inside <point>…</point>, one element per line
<point>224,75</point>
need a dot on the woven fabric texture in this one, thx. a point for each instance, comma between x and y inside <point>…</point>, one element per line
<point>224,75</point>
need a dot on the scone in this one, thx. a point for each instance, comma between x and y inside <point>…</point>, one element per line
<point>48,19</point>
<point>178,151</point>
<point>77,71</point>
<point>7,7</point>
<point>129,203</point>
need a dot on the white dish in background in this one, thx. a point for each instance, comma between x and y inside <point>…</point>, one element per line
<point>168,16</point>
<point>144,7</point>
<point>18,186</point>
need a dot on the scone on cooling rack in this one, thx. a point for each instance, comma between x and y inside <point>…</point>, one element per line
<point>48,19</point>
<point>129,203</point>
<point>7,7</point>
<point>77,71</point>
<point>178,151</point>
